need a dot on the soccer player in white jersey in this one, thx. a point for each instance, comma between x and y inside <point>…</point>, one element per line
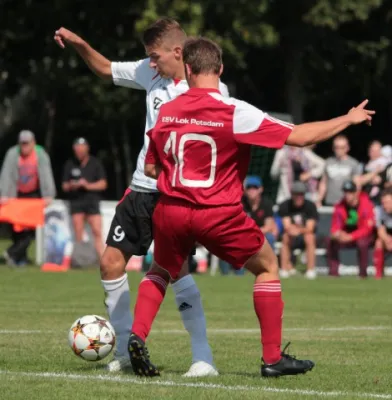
<point>162,76</point>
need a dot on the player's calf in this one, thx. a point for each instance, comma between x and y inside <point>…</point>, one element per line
<point>268,304</point>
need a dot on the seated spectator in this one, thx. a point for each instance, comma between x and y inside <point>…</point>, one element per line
<point>84,180</point>
<point>26,173</point>
<point>352,226</point>
<point>293,164</point>
<point>384,232</point>
<point>338,169</point>
<point>259,208</point>
<point>371,180</point>
<point>299,223</point>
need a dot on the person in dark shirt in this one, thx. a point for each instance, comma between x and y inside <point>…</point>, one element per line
<point>259,208</point>
<point>352,226</point>
<point>384,231</point>
<point>84,180</point>
<point>299,218</point>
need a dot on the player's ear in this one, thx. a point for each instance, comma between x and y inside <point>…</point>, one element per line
<point>177,52</point>
<point>188,71</point>
<point>221,70</point>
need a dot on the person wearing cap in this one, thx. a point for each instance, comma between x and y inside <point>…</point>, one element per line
<point>299,217</point>
<point>352,226</point>
<point>260,208</point>
<point>26,173</point>
<point>84,180</point>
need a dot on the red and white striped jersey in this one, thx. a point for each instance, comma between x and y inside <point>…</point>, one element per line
<point>202,140</point>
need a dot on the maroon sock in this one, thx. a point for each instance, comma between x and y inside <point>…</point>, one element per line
<point>379,262</point>
<point>150,296</point>
<point>267,299</point>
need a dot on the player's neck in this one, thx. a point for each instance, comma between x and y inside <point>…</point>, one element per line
<point>204,82</point>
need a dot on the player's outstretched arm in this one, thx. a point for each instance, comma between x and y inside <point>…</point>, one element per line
<point>99,64</point>
<point>314,132</point>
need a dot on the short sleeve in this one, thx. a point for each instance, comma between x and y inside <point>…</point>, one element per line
<point>253,126</point>
<point>67,171</point>
<point>152,156</point>
<point>100,172</point>
<point>135,75</point>
<point>312,211</point>
<point>358,168</point>
<point>378,215</point>
<point>284,209</point>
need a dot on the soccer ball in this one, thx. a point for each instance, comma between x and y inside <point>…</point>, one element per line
<point>91,337</point>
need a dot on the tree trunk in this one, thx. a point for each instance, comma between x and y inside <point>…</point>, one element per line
<point>51,110</point>
<point>117,165</point>
<point>127,153</point>
<point>294,89</point>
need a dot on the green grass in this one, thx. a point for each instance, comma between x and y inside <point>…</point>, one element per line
<point>353,361</point>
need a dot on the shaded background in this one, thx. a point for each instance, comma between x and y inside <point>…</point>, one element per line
<point>312,59</point>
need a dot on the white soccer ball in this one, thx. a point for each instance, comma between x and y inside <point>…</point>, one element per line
<point>92,337</point>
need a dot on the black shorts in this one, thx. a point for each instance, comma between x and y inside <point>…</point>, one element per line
<point>131,228</point>
<point>84,207</point>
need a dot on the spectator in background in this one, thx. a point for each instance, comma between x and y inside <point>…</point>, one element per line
<point>293,164</point>
<point>259,208</point>
<point>371,180</point>
<point>338,169</point>
<point>84,180</point>
<point>299,218</point>
<point>384,232</point>
<point>352,226</point>
<point>26,173</point>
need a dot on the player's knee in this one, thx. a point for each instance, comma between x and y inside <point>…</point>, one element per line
<point>286,239</point>
<point>112,264</point>
<point>155,269</point>
<point>309,239</point>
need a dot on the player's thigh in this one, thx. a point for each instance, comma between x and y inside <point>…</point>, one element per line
<point>131,228</point>
<point>173,240</point>
<point>230,234</point>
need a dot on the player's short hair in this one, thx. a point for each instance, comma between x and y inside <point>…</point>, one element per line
<point>386,192</point>
<point>341,137</point>
<point>202,55</point>
<point>162,30</point>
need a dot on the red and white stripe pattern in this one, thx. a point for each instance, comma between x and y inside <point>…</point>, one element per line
<point>156,279</point>
<point>267,287</point>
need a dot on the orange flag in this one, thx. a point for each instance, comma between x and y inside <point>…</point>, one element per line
<point>23,213</point>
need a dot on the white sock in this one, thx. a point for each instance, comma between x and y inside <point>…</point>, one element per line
<point>118,304</point>
<point>189,304</point>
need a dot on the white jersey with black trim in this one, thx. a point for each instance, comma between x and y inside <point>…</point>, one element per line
<point>138,75</point>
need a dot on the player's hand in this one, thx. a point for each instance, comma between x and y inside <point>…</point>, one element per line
<point>294,231</point>
<point>360,114</point>
<point>345,237</point>
<point>63,36</point>
<point>47,200</point>
<point>305,176</point>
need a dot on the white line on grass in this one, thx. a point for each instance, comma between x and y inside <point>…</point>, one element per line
<point>224,331</point>
<point>199,385</point>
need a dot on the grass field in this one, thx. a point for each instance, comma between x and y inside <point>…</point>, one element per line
<point>344,325</point>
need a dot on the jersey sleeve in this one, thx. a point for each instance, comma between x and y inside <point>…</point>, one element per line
<point>224,90</point>
<point>253,126</point>
<point>152,154</point>
<point>312,211</point>
<point>135,75</point>
<point>284,210</point>
<point>100,173</point>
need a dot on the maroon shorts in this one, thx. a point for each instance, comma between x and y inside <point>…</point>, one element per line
<point>226,232</point>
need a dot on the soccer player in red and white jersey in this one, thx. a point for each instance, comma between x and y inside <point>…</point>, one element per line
<point>199,151</point>
<point>162,76</point>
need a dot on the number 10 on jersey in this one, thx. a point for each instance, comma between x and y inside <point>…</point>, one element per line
<point>179,158</point>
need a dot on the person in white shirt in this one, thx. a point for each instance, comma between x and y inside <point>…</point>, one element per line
<point>162,76</point>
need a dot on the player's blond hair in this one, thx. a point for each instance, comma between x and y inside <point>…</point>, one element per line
<point>162,31</point>
<point>202,55</point>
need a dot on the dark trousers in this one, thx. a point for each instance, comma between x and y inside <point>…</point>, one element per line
<point>362,245</point>
<point>20,243</point>
<point>21,240</point>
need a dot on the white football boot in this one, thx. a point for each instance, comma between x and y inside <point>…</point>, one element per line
<point>119,363</point>
<point>201,369</point>
<point>311,274</point>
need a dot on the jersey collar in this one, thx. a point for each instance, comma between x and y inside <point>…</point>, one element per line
<point>199,91</point>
